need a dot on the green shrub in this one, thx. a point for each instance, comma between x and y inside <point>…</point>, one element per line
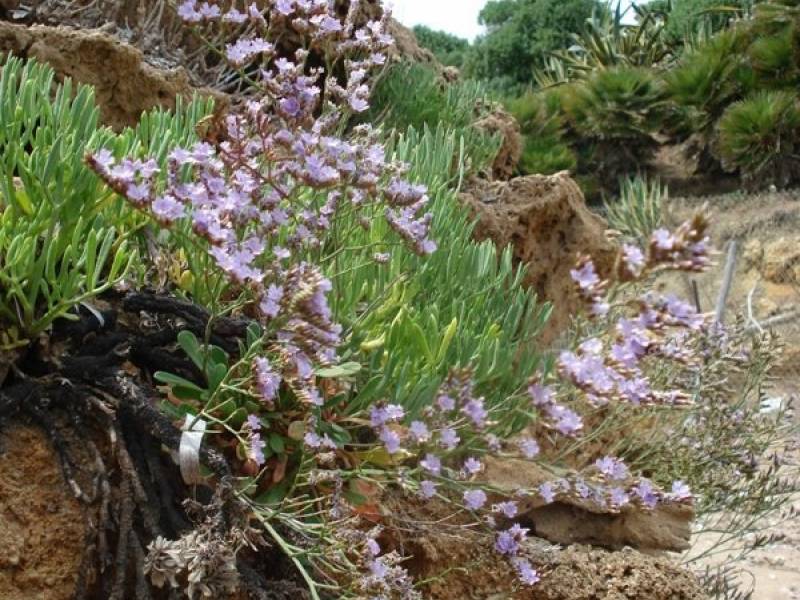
<point>608,41</point>
<point>639,210</point>
<point>64,237</point>
<point>545,156</point>
<point>759,138</point>
<point>615,113</point>
<point>57,249</point>
<point>542,121</point>
<point>775,58</point>
<point>449,49</point>
<point>688,16</point>
<point>411,95</point>
<point>464,305</point>
<point>706,81</point>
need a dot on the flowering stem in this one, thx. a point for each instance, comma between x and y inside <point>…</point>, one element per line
<point>312,585</point>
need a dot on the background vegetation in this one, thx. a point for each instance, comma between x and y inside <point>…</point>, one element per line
<point>589,81</point>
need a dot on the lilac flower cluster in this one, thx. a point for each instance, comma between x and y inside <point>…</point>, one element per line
<point>264,199</point>
<point>685,249</point>
<point>605,372</point>
<point>606,368</point>
<point>252,430</point>
<point>564,420</point>
<point>591,288</point>
<point>509,544</point>
<point>384,577</point>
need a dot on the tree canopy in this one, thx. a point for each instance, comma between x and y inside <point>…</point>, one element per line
<point>449,49</point>
<point>521,33</point>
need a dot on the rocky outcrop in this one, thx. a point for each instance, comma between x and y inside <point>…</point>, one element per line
<point>406,47</point>
<point>570,520</point>
<point>153,27</point>
<point>780,260</point>
<point>573,572</point>
<point>125,85</point>
<point>546,222</point>
<point>41,523</point>
<point>500,122</point>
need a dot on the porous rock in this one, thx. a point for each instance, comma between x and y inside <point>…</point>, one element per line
<point>125,85</point>
<point>571,573</point>
<point>570,520</point>
<point>781,259</point>
<point>500,122</point>
<point>548,225</point>
<point>41,523</point>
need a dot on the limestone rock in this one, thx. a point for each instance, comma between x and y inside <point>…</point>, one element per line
<point>571,520</point>
<point>125,85</point>
<point>781,258</point>
<point>547,223</point>
<point>41,523</point>
<point>499,121</point>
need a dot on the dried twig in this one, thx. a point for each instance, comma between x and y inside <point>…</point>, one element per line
<point>727,282</point>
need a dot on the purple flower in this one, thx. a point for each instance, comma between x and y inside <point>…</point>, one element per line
<point>547,492</point>
<point>508,509</point>
<point>600,308</point>
<point>541,395</point>
<point>244,49</point>
<point>529,448</point>
<point>123,173</point>
<point>209,11</point>
<point>619,498</point>
<point>188,12</point>
<point>646,493</point>
<point>427,489</point>
<point>508,541</point>
<point>446,403</point>
<point>253,422</point>
<point>419,431</point>
<point>525,571</point>
<point>327,24</point>
<point>680,491</point>
<point>474,499</point>
<point>472,466</point>
<point>139,193</point>
<point>432,464</point>
<point>581,488</point>
<point>270,304</point>
<point>285,7</point>
<point>358,103</point>
<point>448,438</point>
<point>683,313</point>
<point>586,277</point>
<point>567,421</point>
<point>391,440</point>
<point>234,16</point>
<point>378,569</point>
<point>475,410</point>
<point>663,239</point>
<point>379,415</point>
<point>373,548</point>
<point>634,259</point>
<point>267,380</point>
<point>167,209</point>
<point>104,159</point>
<point>312,440</point>
<point>257,446</point>
<point>613,468</point>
